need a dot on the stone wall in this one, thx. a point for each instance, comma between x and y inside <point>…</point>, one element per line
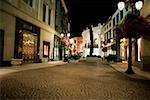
<point>146,52</point>
<point>8,25</point>
<point>9,10</point>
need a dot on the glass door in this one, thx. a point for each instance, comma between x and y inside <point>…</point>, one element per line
<point>29,47</point>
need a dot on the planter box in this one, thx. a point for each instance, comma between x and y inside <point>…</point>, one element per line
<point>73,61</point>
<point>15,62</point>
<point>92,59</point>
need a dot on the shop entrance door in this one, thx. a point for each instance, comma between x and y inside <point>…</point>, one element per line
<point>29,47</point>
<point>1,46</point>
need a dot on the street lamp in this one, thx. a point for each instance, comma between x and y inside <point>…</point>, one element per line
<point>66,37</point>
<point>62,34</point>
<point>68,34</point>
<point>138,6</point>
<point>121,5</point>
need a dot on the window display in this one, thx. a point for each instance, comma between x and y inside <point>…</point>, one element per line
<point>29,45</point>
<point>46,48</point>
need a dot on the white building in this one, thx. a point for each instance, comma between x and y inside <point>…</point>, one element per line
<point>96,41</point>
<point>109,39</point>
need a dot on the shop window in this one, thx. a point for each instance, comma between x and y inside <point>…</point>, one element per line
<point>139,49</point>
<point>46,48</point>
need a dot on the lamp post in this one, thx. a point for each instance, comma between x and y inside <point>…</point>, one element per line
<point>138,6</point>
<point>64,36</point>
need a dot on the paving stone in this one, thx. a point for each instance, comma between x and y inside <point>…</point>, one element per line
<point>73,81</point>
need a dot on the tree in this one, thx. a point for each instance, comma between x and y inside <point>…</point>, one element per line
<point>133,26</point>
<point>91,38</point>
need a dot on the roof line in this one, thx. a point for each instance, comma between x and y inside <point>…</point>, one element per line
<point>64,5</point>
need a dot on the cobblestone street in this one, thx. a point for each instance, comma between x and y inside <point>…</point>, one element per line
<point>73,81</point>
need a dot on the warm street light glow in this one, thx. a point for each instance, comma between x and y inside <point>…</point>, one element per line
<point>68,34</point>
<point>138,5</point>
<point>121,5</point>
<point>62,35</point>
<point>111,40</point>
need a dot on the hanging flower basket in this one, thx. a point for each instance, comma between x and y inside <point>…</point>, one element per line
<point>65,44</point>
<point>133,26</point>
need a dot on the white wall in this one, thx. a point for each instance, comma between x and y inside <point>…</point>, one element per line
<point>96,35</point>
<point>48,37</point>
<point>9,10</point>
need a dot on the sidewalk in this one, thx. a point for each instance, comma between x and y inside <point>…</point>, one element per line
<point>12,69</point>
<point>139,74</point>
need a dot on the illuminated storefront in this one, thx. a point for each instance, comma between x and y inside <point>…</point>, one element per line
<point>124,49</point>
<point>139,49</point>
<point>26,41</point>
<point>46,50</point>
<point>29,46</point>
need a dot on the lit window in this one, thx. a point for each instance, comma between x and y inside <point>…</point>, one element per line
<point>139,49</point>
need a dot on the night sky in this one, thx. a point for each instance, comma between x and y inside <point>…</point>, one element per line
<point>89,12</point>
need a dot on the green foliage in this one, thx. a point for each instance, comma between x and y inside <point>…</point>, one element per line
<point>66,48</point>
<point>111,58</point>
<point>73,57</point>
<point>76,56</point>
<point>93,56</point>
<point>113,47</point>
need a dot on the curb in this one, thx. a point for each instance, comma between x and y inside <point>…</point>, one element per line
<point>134,76</point>
<point>13,69</point>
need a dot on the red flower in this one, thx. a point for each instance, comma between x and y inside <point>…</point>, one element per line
<point>65,42</point>
<point>133,26</point>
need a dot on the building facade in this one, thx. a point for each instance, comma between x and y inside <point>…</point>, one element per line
<point>61,26</point>
<point>96,41</point>
<point>140,46</point>
<point>107,38</point>
<point>27,29</point>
